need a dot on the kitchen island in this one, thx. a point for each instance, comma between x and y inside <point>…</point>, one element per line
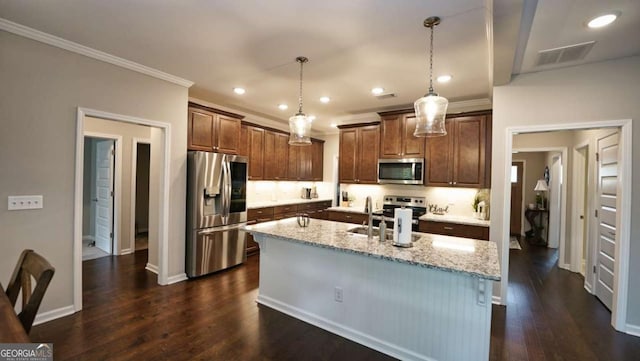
<point>428,302</point>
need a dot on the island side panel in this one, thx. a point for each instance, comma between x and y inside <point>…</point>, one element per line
<point>409,312</point>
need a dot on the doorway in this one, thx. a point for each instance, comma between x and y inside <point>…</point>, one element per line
<point>580,187</point>
<point>98,224</point>
<point>517,198</point>
<point>621,185</point>
<point>141,165</point>
<point>555,192</point>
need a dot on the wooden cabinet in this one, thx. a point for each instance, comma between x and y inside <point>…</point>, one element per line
<point>293,167</point>
<point>276,155</point>
<point>243,149</point>
<point>257,215</point>
<point>213,130</point>
<point>396,137</point>
<point>462,157</point>
<point>347,217</point>
<point>454,229</point>
<point>256,153</point>
<point>358,160</point>
<point>317,161</point>
<point>304,161</point>
<point>285,211</point>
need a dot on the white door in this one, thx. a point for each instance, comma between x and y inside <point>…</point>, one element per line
<point>607,157</point>
<point>555,189</point>
<point>581,175</point>
<point>104,194</point>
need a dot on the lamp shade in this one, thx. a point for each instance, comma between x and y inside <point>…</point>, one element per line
<point>299,130</point>
<point>431,110</point>
<point>541,186</point>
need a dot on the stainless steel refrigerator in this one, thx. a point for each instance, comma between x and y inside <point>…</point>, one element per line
<point>216,212</point>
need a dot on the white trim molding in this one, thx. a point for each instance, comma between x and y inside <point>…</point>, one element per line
<point>177,278</point>
<point>37,35</point>
<point>151,268</point>
<point>53,314</point>
<point>633,330</point>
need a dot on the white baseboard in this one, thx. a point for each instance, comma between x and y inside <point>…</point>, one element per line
<point>143,230</point>
<point>497,300</point>
<point>177,278</point>
<point>88,237</point>
<point>588,288</point>
<point>346,332</point>
<point>565,266</point>
<point>152,268</point>
<point>632,330</point>
<point>53,314</point>
<point>126,251</point>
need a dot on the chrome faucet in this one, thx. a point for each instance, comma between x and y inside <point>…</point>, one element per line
<point>368,208</point>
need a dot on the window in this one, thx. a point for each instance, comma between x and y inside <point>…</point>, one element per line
<point>514,174</point>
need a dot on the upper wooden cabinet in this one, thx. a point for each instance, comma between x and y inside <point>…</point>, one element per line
<point>317,161</point>
<point>461,158</point>
<point>396,137</point>
<point>213,130</point>
<point>256,153</point>
<point>276,155</point>
<point>359,149</point>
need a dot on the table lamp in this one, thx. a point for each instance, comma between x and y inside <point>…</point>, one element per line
<point>541,186</point>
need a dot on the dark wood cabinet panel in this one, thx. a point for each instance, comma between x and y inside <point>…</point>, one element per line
<point>293,167</point>
<point>391,129</point>
<point>269,171</point>
<point>468,154</point>
<point>347,217</point>
<point>305,154</point>
<point>227,135</point>
<point>317,161</point>
<point>211,131</point>
<point>413,147</point>
<point>368,154</point>
<point>200,130</point>
<point>461,158</point>
<point>256,153</point>
<point>439,159</point>
<point>348,155</point>
<point>454,229</point>
<point>281,156</point>
<point>243,147</point>
<point>396,137</point>
<point>359,151</point>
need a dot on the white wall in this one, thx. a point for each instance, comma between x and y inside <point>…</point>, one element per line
<point>592,92</point>
<point>41,88</point>
<point>127,132</point>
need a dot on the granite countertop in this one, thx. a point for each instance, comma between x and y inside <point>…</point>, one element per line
<point>451,254</point>
<point>455,219</point>
<point>281,202</point>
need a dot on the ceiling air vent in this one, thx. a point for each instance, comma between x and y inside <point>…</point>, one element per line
<point>386,96</point>
<point>564,54</point>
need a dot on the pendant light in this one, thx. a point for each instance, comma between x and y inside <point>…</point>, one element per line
<point>300,124</point>
<point>431,109</point>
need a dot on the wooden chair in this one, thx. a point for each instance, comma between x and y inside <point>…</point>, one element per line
<point>30,264</point>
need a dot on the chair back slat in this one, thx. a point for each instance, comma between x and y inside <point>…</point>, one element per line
<point>30,264</point>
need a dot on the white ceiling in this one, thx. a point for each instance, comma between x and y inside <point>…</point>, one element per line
<point>352,45</point>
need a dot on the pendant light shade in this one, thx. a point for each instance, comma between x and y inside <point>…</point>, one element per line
<point>431,109</point>
<point>300,124</point>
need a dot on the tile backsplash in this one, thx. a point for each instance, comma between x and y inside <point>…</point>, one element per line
<point>266,191</point>
<point>457,201</point>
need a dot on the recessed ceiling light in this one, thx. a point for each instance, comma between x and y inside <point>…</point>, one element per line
<point>602,20</point>
<point>334,125</point>
<point>377,91</point>
<point>444,78</point>
<point>239,91</point>
<point>283,106</point>
<point>325,99</point>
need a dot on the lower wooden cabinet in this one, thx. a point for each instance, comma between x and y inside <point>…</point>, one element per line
<point>454,229</point>
<point>347,217</point>
<point>257,215</point>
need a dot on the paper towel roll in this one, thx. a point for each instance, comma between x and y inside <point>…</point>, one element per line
<point>402,225</point>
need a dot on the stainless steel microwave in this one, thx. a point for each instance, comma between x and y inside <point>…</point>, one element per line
<point>401,171</point>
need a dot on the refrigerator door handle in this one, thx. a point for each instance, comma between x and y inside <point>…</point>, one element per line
<point>226,188</point>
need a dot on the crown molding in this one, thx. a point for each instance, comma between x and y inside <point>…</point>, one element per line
<point>37,35</point>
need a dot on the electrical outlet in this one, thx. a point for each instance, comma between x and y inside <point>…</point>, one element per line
<point>337,294</point>
<point>24,202</point>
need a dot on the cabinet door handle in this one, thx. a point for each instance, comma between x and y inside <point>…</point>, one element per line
<point>448,228</point>
<point>450,182</point>
<point>455,183</point>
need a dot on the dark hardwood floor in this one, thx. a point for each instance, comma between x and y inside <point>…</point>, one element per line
<point>127,316</point>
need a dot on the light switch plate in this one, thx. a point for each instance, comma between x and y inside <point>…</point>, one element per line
<point>25,202</point>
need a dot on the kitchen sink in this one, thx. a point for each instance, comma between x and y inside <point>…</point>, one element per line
<point>362,230</point>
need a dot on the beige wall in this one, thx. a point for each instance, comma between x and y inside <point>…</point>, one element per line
<point>127,132</point>
<point>534,163</point>
<point>580,94</point>
<point>41,88</point>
